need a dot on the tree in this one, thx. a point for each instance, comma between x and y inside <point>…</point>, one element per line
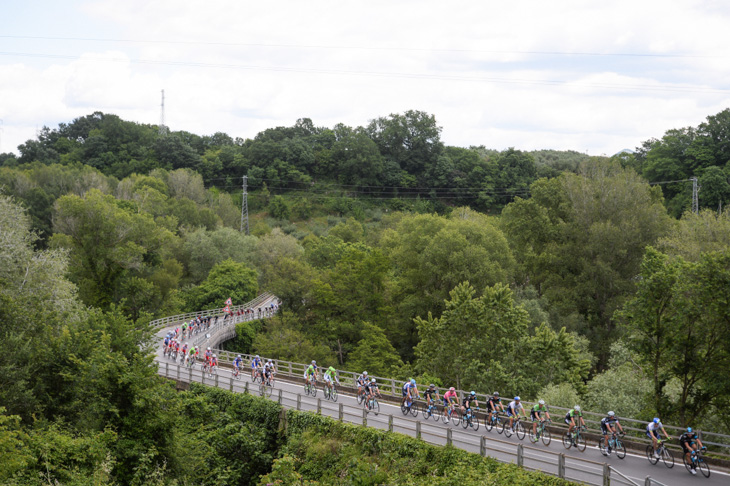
<point>696,234</point>
<point>374,353</point>
<point>227,279</point>
<point>473,343</point>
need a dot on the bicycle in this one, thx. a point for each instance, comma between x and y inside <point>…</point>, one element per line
<point>519,429</point>
<point>699,462</point>
<point>311,387</point>
<point>257,376</point>
<point>542,432</point>
<point>662,452</point>
<point>430,409</point>
<point>615,444</point>
<point>236,372</point>
<point>330,393</point>
<point>409,406</point>
<point>470,420</point>
<point>361,394</point>
<point>492,420</point>
<point>267,387</point>
<point>191,363</point>
<point>372,405</point>
<point>575,440</point>
<point>450,415</point>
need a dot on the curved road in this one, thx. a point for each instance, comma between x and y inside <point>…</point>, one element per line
<point>584,466</point>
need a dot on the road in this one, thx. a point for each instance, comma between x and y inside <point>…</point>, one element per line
<point>584,466</point>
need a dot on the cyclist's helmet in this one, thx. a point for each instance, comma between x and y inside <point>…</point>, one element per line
<point>495,394</point>
<point>238,356</point>
<point>413,382</point>
<point>187,344</point>
<point>257,356</point>
<point>364,373</point>
<point>473,393</point>
<point>271,362</point>
<point>689,430</point>
<point>372,381</point>
<point>314,362</point>
<point>576,408</point>
<point>208,349</point>
<point>215,355</point>
<point>657,421</point>
<point>541,402</point>
<point>452,389</point>
<point>517,399</point>
<point>432,386</point>
<point>611,414</point>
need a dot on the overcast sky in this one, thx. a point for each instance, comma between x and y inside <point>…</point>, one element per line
<point>524,74</point>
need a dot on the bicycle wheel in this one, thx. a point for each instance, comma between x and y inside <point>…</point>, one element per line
<point>255,377</point>
<point>620,449</point>
<point>314,389</point>
<point>465,420</point>
<point>580,442</point>
<point>360,397</point>
<point>376,406</point>
<point>567,440</point>
<point>488,423</point>
<point>667,458</point>
<point>474,423</point>
<point>436,412</point>
<point>404,408</point>
<point>455,418</point>
<point>520,429</point>
<point>546,437</point>
<point>306,388</point>
<point>262,390</point>
<point>507,429</point>
<point>650,455</point>
<point>703,467</point>
<point>687,464</point>
<point>531,435</point>
<point>333,394</point>
<point>414,409</point>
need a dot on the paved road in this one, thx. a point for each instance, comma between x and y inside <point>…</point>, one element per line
<point>541,457</point>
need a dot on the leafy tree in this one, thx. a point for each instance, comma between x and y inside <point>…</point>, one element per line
<point>226,279</point>
<point>696,234</point>
<point>374,353</point>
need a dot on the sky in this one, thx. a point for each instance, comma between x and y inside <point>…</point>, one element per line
<point>596,77</point>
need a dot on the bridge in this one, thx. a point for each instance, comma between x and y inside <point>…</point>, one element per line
<point>589,467</point>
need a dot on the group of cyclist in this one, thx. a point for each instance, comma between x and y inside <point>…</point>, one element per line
<point>311,375</point>
<point>259,368</point>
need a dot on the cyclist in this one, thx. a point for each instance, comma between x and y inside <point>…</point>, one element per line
<point>191,355</point>
<point>208,353</point>
<point>409,391</point>
<point>371,389</point>
<point>185,350</point>
<point>255,365</point>
<point>607,427</point>
<point>362,382</point>
<point>652,431</point>
<point>690,443</point>
<point>535,415</point>
<point>430,395</point>
<point>237,365</point>
<point>311,372</point>
<point>329,375</point>
<point>466,403</point>
<point>574,417</point>
<point>494,404</point>
<point>197,352</point>
<point>450,399</point>
<point>269,371</point>
<point>514,409</point>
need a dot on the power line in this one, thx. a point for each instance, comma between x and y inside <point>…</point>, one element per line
<point>439,77</point>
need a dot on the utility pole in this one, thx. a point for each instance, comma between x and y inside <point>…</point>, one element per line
<point>163,128</point>
<point>695,197</point>
<point>1,136</point>
<point>244,205</point>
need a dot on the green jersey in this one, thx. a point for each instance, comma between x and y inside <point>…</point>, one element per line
<point>331,372</point>
<point>311,370</point>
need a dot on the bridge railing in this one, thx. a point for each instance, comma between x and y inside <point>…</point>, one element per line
<point>180,318</point>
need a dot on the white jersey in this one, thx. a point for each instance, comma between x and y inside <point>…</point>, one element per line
<point>654,427</point>
<point>515,406</point>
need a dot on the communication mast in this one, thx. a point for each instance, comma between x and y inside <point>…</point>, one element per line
<point>163,128</point>
<point>244,205</point>
<point>695,197</point>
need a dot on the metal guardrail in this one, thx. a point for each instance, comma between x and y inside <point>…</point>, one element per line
<point>168,321</point>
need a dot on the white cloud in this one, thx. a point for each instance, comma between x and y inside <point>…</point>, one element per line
<point>241,67</point>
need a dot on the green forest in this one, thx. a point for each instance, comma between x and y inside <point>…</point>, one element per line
<point>548,274</point>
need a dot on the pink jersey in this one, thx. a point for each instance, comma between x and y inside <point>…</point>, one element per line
<point>450,394</point>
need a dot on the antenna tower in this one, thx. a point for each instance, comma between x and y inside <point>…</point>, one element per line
<point>163,128</point>
<point>695,198</point>
<point>244,206</point>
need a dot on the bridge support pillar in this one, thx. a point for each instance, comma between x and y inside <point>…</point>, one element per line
<point>280,396</point>
<point>606,474</point>
<point>319,406</point>
<point>390,423</point>
<point>418,429</point>
<point>561,466</point>
<point>245,389</point>
<point>483,445</point>
<point>230,386</point>
<point>520,455</point>
<point>449,441</point>
<point>364,417</point>
<point>299,401</point>
<point>341,413</point>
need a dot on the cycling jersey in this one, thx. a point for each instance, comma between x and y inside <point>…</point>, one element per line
<point>536,410</point>
<point>652,429</point>
<point>448,396</point>
<point>492,403</point>
<point>361,380</point>
<point>329,374</point>
<point>687,441</point>
<point>467,401</point>
<point>311,370</point>
<point>406,388</point>
<point>237,362</point>
<point>255,363</point>
<point>570,415</point>
<point>513,408</point>
<point>429,394</point>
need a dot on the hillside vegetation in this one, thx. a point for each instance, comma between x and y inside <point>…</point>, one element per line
<point>548,274</point>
